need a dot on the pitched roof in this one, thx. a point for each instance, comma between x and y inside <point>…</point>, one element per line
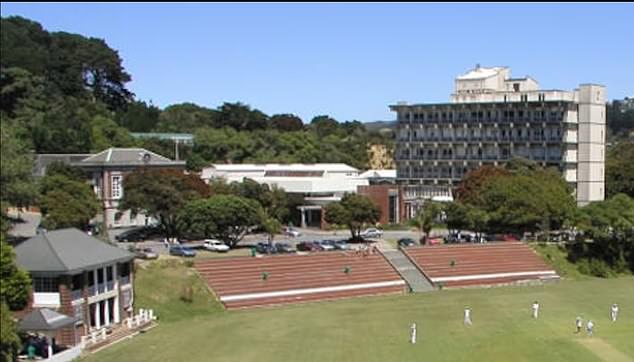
<point>45,319</point>
<point>66,251</point>
<point>43,160</point>
<point>128,157</point>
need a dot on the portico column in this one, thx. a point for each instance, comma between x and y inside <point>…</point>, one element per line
<point>303,224</point>
<point>106,311</point>
<point>98,315</point>
<point>117,317</point>
<point>50,346</point>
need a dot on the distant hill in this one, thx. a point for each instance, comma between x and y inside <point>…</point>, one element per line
<point>378,125</point>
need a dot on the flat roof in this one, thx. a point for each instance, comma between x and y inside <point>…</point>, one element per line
<point>254,167</point>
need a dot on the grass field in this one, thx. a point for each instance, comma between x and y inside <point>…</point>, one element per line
<point>377,328</point>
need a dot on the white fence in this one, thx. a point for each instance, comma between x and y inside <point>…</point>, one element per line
<point>144,316</point>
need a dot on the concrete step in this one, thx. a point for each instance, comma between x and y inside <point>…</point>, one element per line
<point>408,271</point>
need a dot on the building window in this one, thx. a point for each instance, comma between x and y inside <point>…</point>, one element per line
<point>109,276</point>
<point>45,285</point>
<point>392,207</point>
<point>116,187</point>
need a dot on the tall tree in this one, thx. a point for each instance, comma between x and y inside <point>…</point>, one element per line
<point>619,169</point>
<point>9,337</point>
<point>240,116</point>
<point>161,193</point>
<point>224,217</point>
<point>67,202</point>
<point>428,217</point>
<point>186,117</point>
<point>324,125</point>
<point>286,122</point>
<point>139,117</point>
<point>354,211</point>
<point>470,188</point>
<point>14,282</point>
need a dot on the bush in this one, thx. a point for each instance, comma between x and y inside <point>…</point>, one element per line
<point>595,267</point>
<point>187,293</point>
<point>189,263</point>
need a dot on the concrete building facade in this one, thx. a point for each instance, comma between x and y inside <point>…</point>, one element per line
<point>493,118</point>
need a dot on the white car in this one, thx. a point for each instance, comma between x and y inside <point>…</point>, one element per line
<point>371,233</point>
<point>215,245</point>
<point>292,232</point>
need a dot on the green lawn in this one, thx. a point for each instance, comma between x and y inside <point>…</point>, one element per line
<point>377,328</point>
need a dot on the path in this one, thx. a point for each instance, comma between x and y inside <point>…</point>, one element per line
<point>408,271</point>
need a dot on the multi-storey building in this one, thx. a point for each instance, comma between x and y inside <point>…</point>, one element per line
<point>493,118</point>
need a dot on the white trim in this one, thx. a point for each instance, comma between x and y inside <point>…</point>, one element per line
<point>285,293</point>
<point>491,276</point>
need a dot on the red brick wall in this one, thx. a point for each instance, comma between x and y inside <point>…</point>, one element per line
<point>66,336</point>
<point>379,194</point>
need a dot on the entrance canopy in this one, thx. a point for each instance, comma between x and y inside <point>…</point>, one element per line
<point>45,320</point>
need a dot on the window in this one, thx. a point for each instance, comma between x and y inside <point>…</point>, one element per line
<point>99,275</point>
<point>124,269</point>
<point>45,285</point>
<point>109,275</point>
<point>117,217</point>
<point>133,213</point>
<point>116,187</point>
<point>516,87</point>
<point>91,278</point>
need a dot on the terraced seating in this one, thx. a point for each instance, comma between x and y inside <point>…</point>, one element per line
<point>479,264</point>
<point>244,282</point>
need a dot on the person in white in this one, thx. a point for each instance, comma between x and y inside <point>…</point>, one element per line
<point>413,334</point>
<point>614,311</point>
<point>579,324</point>
<point>535,309</point>
<point>589,328</point>
<point>467,316</point>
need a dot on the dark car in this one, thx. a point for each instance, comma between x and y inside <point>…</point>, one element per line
<point>283,248</point>
<point>405,242</point>
<point>180,250</point>
<point>136,234</point>
<point>308,246</point>
<point>265,248</point>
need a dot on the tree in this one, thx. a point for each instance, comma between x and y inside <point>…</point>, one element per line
<point>105,133</point>
<point>272,199</point>
<point>619,170</point>
<point>139,117</point>
<point>9,338</point>
<point>66,202</point>
<point>241,117</point>
<point>286,122</point>
<point>470,188</point>
<point>186,117</point>
<point>354,211</point>
<point>427,218</point>
<point>14,282</point>
<point>223,217</point>
<point>324,125</point>
<point>161,193</point>
<point>16,185</point>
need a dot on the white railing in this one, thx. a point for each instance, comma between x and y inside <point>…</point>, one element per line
<point>101,288</point>
<point>110,285</point>
<point>46,299</point>
<point>144,316</point>
<point>92,290</point>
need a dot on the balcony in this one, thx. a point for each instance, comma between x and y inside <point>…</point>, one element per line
<point>46,300</point>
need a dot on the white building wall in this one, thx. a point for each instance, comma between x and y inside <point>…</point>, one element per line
<point>591,146</point>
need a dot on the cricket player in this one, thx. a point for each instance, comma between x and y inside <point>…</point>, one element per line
<point>614,311</point>
<point>413,334</point>
<point>535,309</point>
<point>589,328</point>
<point>467,316</point>
<point>579,324</point>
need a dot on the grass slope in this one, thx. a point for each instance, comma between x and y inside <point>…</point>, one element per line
<point>377,328</point>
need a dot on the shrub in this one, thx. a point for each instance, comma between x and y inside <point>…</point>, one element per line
<point>595,267</point>
<point>189,263</point>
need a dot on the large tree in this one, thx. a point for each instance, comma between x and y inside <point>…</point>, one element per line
<point>161,193</point>
<point>354,211</point>
<point>470,188</point>
<point>14,282</point>
<point>16,184</point>
<point>186,117</point>
<point>67,202</point>
<point>619,169</point>
<point>286,122</point>
<point>224,217</point>
<point>241,117</point>
<point>428,217</point>
<point>9,337</point>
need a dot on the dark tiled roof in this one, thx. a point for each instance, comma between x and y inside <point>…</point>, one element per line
<point>45,319</point>
<point>42,161</point>
<point>66,251</point>
<point>128,157</point>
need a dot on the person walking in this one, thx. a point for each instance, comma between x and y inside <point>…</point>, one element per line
<point>578,324</point>
<point>413,333</point>
<point>590,328</point>
<point>614,311</point>
<point>467,316</point>
<point>535,309</point>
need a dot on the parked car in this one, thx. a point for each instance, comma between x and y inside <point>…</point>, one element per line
<point>371,233</point>
<point>132,235</point>
<point>179,250</point>
<point>265,248</point>
<point>308,246</point>
<point>283,248</point>
<point>341,245</point>
<point>146,253</point>
<point>326,245</point>
<point>289,231</point>
<point>405,242</point>
<point>215,245</point>
<point>434,241</point>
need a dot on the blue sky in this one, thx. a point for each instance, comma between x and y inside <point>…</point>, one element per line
<point>347,60</point>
